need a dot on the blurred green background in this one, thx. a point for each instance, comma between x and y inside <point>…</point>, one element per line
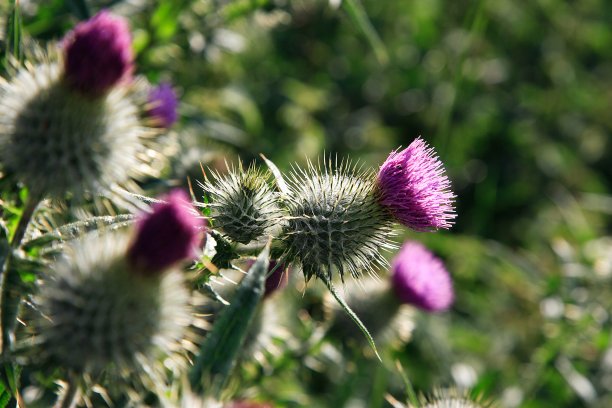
<point>516,97</point>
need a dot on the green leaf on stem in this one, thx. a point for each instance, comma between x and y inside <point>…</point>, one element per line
<point>219,352</point>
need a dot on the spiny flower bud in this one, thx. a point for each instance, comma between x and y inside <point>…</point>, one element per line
<point>60,142</point>
<point>243,204</point>
<point>420,278</point>
<point>103,316</point>
<point>415,189</point>
<point>334,222</point>
<point>163,105</point>
<point>172,232</point>
<point>98,54</point>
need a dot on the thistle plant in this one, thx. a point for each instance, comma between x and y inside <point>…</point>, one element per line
<point>69,124</point>
<point>70,128</point>
<point>115,303</point>
<point>335,218</point>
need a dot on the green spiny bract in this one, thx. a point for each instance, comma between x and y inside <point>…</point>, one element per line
<point>334,222</point>
<point>101,316</point>
<point>243,205</point>
<point>58,141</point>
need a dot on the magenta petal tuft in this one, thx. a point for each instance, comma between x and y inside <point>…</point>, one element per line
<point>98,54</point>
<point>172,232</point>
<point>415,188</point>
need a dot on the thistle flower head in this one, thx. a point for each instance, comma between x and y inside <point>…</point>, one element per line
<point>420,278</point>
<point>103,316</point>
<point>171,233</point>
<point>415,189</point>
<point>60,142</point>
<point>98,54</point>
<point>334,222</point>
<point>163,105</point>
<point>244,207</point>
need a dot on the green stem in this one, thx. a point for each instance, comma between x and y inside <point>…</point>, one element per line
<point>351,314</point>
<point>9,297</point>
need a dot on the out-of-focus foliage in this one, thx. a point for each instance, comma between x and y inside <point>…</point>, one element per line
<point>516,97</point>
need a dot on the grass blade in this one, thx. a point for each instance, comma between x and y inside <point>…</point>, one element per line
<point>357,14</point>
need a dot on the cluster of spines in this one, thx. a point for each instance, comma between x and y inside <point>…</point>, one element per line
<point>84,144</point>
<point>69,117</point>
<point>101,315</point>
<point>334,222</point>
<point>115,302</point>
<point>244,206</point>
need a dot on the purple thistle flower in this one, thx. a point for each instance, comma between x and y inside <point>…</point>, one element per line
<point>419,277</point>
<point>415,189</point>
<point>171,233</point>
<point>98,54</point>
<point>163,105</point>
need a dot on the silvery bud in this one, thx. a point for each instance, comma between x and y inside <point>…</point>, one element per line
<point>244,207</point>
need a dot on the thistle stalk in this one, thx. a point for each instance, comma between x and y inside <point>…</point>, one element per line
<point>351,314</point>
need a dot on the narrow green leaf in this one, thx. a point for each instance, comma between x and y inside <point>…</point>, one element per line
<point>8,384</point>
<point>217,356</point>
<point>13,34</point>
<point>357,14</point>
<point>412,396</point>
<point>351,314</point>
